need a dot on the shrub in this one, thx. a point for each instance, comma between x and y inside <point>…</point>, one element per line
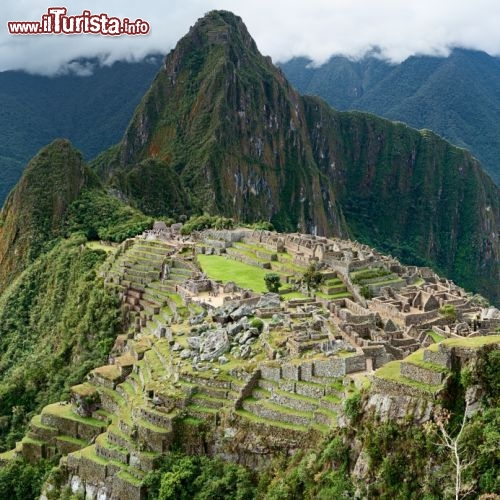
<point>257,323</point>
<point>262,225</point>
<point>312,277</point>
<point>205,221</point>
<point>352,406</point>
<point>449,311</point>
<point>101,216</point>
<point>273,282</point>
<point>365,292</point>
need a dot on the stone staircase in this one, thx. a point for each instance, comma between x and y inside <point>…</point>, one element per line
<point>148,274</point>
<point>137,431</point>
<point>209,395</point>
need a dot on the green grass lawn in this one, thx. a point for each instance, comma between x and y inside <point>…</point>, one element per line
<point>340,295</point>
<point>294,295</point>
<point>472,342</point>
<point>223,269</point>
<point>435,336</point>
<point>391,371</point>
<point>97,245</point>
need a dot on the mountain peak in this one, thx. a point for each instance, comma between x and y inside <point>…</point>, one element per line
<point>35,209</point>
<point>221,27</point>
<point>220,34</point>
<point>224,121</point>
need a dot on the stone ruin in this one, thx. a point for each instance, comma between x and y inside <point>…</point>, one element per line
<point>296,360</point>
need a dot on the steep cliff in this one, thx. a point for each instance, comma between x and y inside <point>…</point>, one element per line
<point>411,193</point>
<point>456,96</point>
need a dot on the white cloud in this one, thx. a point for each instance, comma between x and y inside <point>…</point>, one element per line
<point>282,29</point>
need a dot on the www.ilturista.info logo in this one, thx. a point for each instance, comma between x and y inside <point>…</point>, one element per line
<point>56,22</point>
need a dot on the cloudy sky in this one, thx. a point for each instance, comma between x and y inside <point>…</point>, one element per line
<point>281,28</point>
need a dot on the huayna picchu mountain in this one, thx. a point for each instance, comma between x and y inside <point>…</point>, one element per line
<point>225,121</point>
<point>221,130</point>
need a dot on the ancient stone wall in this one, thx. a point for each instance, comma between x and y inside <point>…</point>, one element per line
<point>420,318</point>
<point>442,357</point>
<point>125,490</point>
<point>246,390</point>
<point>355,364</point>
<point>384,386</point>
<point>388,309</point>
<point>291,371</point>
<point>331,368</point>
<point>271,372</point>
<point>421,374</point>
<point>356,308</point>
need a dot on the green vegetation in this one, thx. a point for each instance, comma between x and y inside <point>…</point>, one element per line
<point>34,213</point>
<point>352,406</point>
<point>182,477</point>
<point>448,311</point>
<point>487,373</point>
<point>268,423</point>
<point>57,322</point>
<point>397,456</point>
<point>416,358</point>
<point>170,162</point>
<point>472,342</point>
<point>312,278</point>
<point>20,480</point>
<point>273,282</point>
<point>292,295</point>
<point>456,96</point>
<point>400,225</point>
<point>398,453</point>
<point>257,323</point>
<point>333,296</point>
<point>67,412</point>
<point>200,222</point>
<point>358,277</point>
<point>91,111</point>
<point>193,136</point>
<point>262,225</point>
<point>224,269</point>
<point>391,371</point>
<point>101,216</point>
<point>319,473</point>
<point>97,245</point>
<point>435,336</point>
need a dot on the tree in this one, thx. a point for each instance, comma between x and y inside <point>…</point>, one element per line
<point>449,311</point>
<point>273,282</point>
<point>365,292</point>
<point>312,278</point>
<point>455,446</point>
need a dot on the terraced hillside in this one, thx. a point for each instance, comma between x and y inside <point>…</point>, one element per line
<point>213,365</point>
